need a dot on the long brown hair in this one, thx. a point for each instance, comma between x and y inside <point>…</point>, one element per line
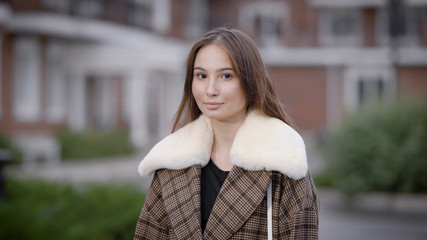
<point>249,68</point>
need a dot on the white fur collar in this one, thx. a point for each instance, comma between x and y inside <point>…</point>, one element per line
<point>262,143</point>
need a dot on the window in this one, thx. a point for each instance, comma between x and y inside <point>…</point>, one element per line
<point>89,8</point>
<point>55,83</point>
<point>412,18</point>
<point>197,18</point>
<point>83,8</point>
<point>367,85</point>
<point>266,19</point>
<point>141,13</point>
<point>340,26</point>
<point>100,97</point>
<point>268,28</point>
<point>62,6</point>
<point>161,19</point>
<point>1,79</point>
<point>156,103</point>
<point>126,99</point>
<point>370,90</point>
<point>26,79</point>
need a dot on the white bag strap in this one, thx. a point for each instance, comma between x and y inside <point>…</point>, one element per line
<point>269,213</point>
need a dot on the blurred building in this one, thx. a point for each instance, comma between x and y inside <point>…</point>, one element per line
<point>84,64</point>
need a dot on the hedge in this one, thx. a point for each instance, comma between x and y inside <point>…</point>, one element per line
<point>36,210</point>
<point>380,148</point>
<point>92,144</point>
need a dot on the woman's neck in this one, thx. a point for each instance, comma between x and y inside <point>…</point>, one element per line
<point>224,134</point>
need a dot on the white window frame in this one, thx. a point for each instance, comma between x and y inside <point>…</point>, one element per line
<point>26,79</point>
<point>355,74</point>
<point>265,11</point>
<point>326,34</point>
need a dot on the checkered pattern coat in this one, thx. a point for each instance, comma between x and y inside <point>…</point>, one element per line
<point>172,208</point>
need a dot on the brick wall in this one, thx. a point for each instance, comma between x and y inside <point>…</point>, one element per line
<point>303,92</point>
<point>413,81</point>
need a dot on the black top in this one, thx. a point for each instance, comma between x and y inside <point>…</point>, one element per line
<point>211,183</point>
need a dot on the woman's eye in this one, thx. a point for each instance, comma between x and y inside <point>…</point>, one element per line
<point>201,76</point>
<point>226,76</point>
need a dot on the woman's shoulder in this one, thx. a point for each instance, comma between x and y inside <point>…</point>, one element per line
<point>287,182</point>
<point>266,143</point>
<point>183,148</point>
<point>301,191</point>
<point>174,177</point>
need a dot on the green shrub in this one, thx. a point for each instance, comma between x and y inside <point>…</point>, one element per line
<point>383,148</point>
<point>38,210</point>
<point>6,144</point>
<point>90,144</point>
<point>324,179</point>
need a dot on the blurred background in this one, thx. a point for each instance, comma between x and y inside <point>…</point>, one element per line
<point>88,86</point>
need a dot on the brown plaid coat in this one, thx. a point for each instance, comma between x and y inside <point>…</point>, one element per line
<point>264,149</point>
<point>172,207</point>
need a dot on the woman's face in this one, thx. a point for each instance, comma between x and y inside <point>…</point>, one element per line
<point>216,88</point>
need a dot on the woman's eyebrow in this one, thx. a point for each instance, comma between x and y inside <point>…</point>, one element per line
<point>199,68</point>
<point>220,70</point>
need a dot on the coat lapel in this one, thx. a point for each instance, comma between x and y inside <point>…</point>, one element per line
<point>181,193</point>
<point>240,195</point>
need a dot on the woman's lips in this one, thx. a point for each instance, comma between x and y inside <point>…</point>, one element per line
<point>212,105</point>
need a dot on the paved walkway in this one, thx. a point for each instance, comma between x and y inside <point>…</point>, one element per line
<point>371,220</point>
<point>337,221</point>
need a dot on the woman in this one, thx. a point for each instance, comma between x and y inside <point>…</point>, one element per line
<point>230,141</point>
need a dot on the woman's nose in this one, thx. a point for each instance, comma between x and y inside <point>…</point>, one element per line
<point>212,89</point>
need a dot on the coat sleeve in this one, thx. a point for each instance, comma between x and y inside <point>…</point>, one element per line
<point>298,215</point>
<point>153,222</point>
